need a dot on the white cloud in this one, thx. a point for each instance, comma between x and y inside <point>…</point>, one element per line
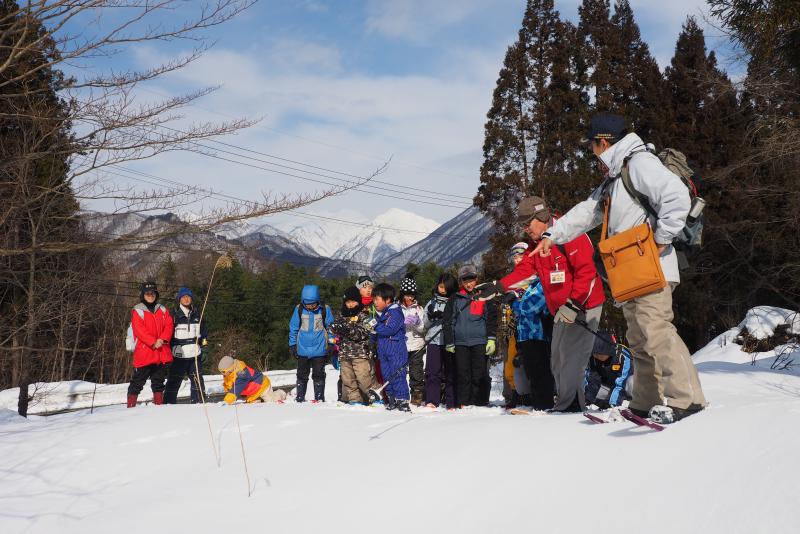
<point>417,20</point>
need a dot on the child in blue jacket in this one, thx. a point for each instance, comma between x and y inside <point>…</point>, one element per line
<point>308,341</point>
<point>390,331</point>
<point>607,376</point>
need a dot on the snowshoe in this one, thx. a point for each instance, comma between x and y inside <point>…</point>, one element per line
<point>666,415</point>
<point>374,396</point>
<point>431,405</point>
<point>402,405</point>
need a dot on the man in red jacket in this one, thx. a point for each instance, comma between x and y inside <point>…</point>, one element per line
<point>152,331</point>
<point>573,291</point>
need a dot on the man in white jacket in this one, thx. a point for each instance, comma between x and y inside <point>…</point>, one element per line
<point>666,385</point>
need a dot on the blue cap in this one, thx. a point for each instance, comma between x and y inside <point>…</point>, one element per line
<point>184,291</point>
<point>607,126</point>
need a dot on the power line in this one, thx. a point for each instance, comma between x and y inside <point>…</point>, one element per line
<point>438,171</point>
<point>291,212</point>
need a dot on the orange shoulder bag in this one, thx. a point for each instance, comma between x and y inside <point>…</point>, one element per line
<point>631,260</point>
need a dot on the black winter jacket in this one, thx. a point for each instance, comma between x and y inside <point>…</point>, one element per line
<point>469,322</point>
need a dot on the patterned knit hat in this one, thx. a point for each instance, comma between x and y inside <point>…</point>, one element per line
<point>364,281</point>
<point>518,248</point>
<point>408,286</point>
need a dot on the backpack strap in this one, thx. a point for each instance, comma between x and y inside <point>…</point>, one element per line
<point>639,197</point>
<point>324,312</point>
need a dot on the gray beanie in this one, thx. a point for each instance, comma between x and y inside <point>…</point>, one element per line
<point>467,271</point>
<point>226,362</point>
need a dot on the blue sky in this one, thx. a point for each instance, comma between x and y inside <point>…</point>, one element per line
<point>345,85</point>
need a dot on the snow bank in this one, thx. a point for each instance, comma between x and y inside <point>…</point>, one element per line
<point>49,397</point>
<point>761,321</point>
<point>326,468</point>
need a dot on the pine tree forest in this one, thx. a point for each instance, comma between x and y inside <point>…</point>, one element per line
<point>736,136</point>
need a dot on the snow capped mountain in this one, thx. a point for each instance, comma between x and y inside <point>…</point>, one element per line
<point>337,248</point>
<point>463,238</point>
<point>356,247</point>
<point>323,236</point>
<point>387,234</point>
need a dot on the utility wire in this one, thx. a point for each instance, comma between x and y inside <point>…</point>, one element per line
<point>246,202</point>
<point>438,171</point>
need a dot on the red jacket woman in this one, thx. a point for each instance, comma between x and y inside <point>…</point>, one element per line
<point>152,331</point>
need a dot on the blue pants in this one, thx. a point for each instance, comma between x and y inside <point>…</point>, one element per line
<point>398,385</point>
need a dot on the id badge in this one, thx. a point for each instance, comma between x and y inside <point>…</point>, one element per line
<point>557,277</point>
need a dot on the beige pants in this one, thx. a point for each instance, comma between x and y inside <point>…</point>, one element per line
<point>357,378</point>
<point>663,370</point>
<point>273,395</point>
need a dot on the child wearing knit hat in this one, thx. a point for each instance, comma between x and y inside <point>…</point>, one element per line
<point>415,338</point>
<point>352,332</point>
<point>243,382</point>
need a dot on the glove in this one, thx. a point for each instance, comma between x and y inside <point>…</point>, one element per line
<point>230,398</point>
<point>515,362</point>
<point>570,312</point>
<point>293,351</point>
<point>489,290</point>
<point>435,314</point>
<point>490,347</point>
<point>510,297</point>
<point>412,320</point>
<point>370,325</point>
<point>450,348</point>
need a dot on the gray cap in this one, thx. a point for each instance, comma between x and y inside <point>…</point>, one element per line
<point>532,208</point>
<point>467,271</point>
<point>226,362</point>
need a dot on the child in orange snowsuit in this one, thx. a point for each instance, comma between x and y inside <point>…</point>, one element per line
<point>241,381</point>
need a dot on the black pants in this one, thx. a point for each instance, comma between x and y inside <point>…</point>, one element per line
<point>315,366</point>
<point>178,370</point>
<point>472,375</point>
<point>535,356</point>
<point>416,370</point>
<point>156,372</point>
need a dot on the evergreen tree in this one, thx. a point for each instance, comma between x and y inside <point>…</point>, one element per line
<point>637,89</point>
<point>38,201</point>
<point>506,170</point>
<point>524,149</point>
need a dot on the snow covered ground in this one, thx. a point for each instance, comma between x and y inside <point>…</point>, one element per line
<point>324,469</point>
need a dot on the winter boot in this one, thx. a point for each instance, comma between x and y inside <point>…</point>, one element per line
<point>158,398</point>
<point>402,405</point>
<point>132,400</point>
<point>417,398</point>
<point>301,391</point>
<point>319,391</point>
<point>390,403</point>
